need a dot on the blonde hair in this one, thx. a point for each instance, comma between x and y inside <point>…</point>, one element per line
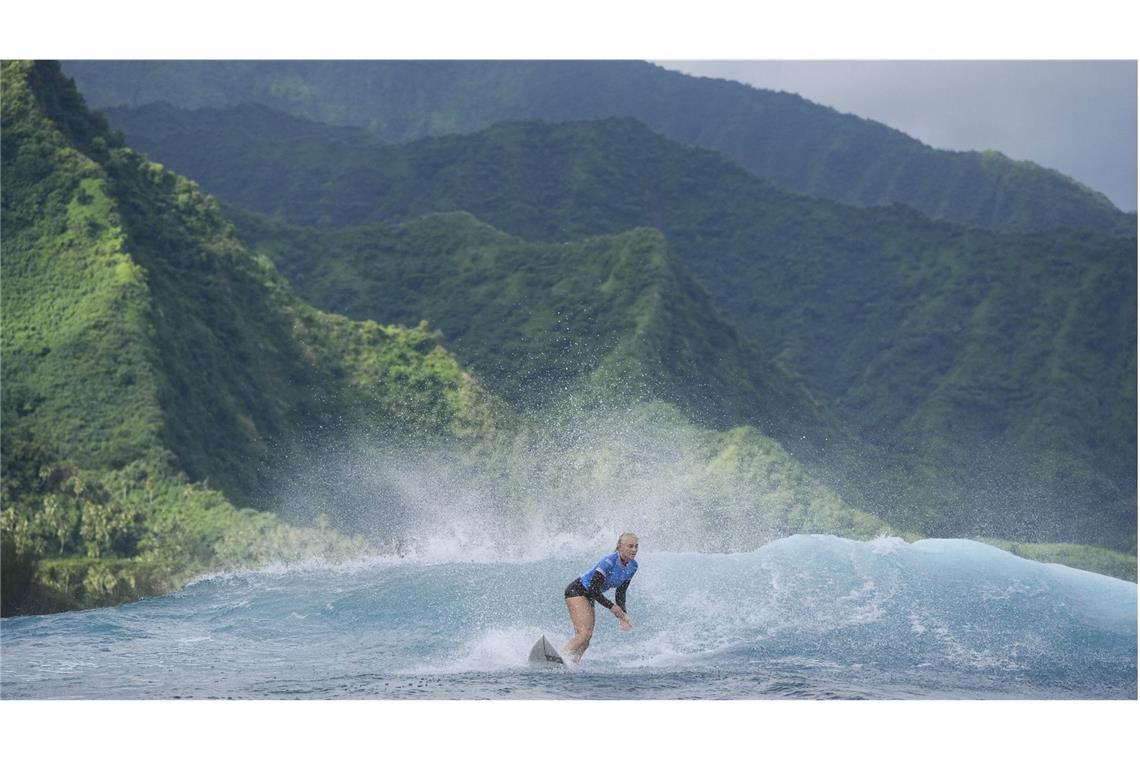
<point>622,537</point>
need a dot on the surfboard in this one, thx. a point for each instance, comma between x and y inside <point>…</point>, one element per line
<point>543,654</point>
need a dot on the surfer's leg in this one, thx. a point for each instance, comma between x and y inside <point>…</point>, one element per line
<point>582,616</point>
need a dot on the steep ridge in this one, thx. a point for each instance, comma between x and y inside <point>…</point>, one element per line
<point>219,336</point>
<point>538,321</point>
<point>797,144</point>
<point>1000,366</point>
<point>155,374</point>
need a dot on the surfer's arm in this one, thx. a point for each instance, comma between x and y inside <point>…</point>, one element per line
<point>595,590</point>
<point>619,595</point>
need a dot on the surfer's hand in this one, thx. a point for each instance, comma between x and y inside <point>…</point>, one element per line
<point>625,624</point>
<point>619,613</point>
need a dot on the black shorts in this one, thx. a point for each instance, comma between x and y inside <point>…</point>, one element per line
<point>577,589</point>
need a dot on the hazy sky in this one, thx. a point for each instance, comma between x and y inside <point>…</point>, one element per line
<point>1078,117</point>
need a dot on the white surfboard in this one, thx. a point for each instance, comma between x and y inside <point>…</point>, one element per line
<point>543,654</point>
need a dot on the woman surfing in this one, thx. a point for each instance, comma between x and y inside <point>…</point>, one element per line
<point>611,571</point>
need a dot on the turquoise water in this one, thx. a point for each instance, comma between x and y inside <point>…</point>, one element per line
<point>805,617</point>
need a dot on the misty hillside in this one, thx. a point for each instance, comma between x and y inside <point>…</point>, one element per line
<point>618,316</point>
<point>797,144</point>
<point>156,374</point>
<point>1000,366</point>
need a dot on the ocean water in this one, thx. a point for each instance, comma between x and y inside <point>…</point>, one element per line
<point>805,617</point>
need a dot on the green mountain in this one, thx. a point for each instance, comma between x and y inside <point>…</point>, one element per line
<point>999,367</point>
<point>617,316</point>
<point>156,375</point>
<point>601,321</point>
<point>797,144</point>
<point>159,380</point>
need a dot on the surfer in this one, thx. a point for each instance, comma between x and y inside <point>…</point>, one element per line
<point>611,571</point>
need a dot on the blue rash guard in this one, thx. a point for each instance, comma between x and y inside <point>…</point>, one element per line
<point>606,574</point>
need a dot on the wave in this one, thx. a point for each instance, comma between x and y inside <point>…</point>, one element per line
<point>917,619</point>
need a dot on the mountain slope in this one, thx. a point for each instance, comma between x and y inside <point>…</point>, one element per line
<point>537,321</point>
<point>218,339</point>
<point>155,374</point>
<point>799,145</point>
<point>998,365</point>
